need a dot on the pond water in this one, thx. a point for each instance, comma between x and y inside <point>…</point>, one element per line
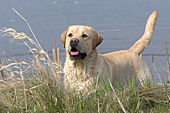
<point>120,22</point>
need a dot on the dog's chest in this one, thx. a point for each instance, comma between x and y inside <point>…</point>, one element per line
<point>77,75</point>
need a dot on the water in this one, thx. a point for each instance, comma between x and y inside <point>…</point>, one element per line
<point>120,22</point>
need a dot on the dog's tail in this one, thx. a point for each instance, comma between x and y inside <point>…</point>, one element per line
<point>144,41</point>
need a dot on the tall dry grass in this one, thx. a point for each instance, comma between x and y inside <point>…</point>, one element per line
<point>37,73</point>
<point>35,86</point>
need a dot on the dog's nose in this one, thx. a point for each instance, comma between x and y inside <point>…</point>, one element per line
<point>74,42</point>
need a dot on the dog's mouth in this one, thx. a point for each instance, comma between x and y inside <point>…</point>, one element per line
<point>74,51</point>
<point>75,54</point>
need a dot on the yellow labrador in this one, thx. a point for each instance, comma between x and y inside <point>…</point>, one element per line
<point>84,64</point>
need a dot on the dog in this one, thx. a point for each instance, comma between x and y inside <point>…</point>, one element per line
<point>84,64</point>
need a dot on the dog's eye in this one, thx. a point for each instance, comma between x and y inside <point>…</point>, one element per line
<point>70,35</point>
<point>84,35</point>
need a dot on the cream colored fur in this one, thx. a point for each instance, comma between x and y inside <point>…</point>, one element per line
<point>122,65</point>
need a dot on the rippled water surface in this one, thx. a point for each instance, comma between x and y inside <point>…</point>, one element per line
<point>120,22</point>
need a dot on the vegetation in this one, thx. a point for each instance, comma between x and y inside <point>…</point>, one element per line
<point>35,86</point>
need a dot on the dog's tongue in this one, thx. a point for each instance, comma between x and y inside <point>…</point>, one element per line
<point>74,52</point>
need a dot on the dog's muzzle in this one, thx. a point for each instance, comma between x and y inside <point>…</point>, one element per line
<point>75,54</point>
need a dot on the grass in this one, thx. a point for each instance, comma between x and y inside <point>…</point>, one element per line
<point>35,87</point>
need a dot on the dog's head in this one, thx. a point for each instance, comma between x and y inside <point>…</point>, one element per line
<point>79,41</point>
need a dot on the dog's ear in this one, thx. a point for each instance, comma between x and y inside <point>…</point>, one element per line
<point>63,37</point>
<point>97,38</point>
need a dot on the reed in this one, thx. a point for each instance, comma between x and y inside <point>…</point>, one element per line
<point>167,59</point>
<point>36,86</point>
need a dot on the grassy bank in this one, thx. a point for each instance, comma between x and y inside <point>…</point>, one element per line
<point>35,86</point>
<point>42,96</point>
